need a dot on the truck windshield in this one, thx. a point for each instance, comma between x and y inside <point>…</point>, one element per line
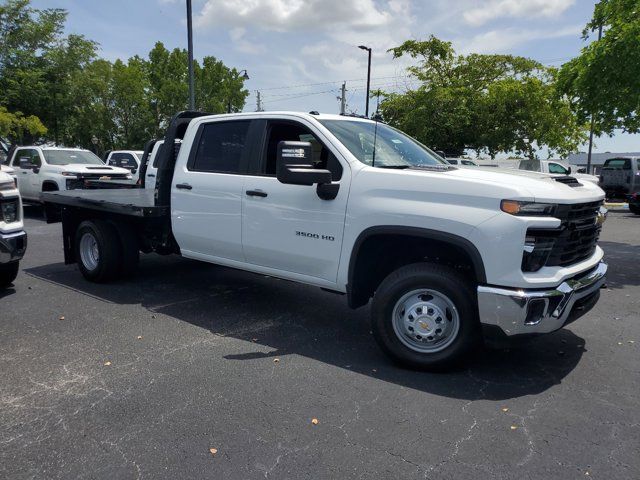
<point>65,157</point>
<point>389,147</point>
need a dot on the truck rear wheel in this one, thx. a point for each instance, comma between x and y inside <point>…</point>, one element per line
<point>98,251</point>
<point>425,316</point>
<point>8,273</point>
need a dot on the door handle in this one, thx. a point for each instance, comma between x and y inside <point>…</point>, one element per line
<point>256,193</point>
<point>150,175</point>
<point>184,186</point>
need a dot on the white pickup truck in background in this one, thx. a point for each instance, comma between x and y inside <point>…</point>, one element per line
<point>555,168</point>
<point>447,256</point>
<point>13,239</point>
<point>48,169</point>
<point>128,159</point>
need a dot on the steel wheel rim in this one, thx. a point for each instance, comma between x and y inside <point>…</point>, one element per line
<point>89,251</point>
<point>425,320</point>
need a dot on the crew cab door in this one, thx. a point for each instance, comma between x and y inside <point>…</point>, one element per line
<point>289,227</point>
<point>28,180</point>
<point>207,192</point>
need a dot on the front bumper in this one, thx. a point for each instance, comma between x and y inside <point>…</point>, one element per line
<point>506,313</point>
<point>12,246</point>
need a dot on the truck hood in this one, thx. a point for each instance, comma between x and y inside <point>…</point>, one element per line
<point>92,169</point>
<point>7,170</point>
<point>476,186</point>
<point>541,187</point>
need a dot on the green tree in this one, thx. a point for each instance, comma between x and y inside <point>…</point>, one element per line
<point>487,103</point>
<point>604,80</point>
<point>17,128</point>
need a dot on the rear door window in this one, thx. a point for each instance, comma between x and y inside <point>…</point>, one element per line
<point>221,147</point>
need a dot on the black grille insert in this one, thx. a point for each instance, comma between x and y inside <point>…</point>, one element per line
<point>577,236</point>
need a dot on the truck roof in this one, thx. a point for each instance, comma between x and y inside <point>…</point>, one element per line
<point>45,147</point>
<point>306,115</point>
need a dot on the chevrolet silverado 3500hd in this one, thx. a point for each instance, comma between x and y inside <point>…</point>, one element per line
<point>449,256</point>
<point>13,239</point>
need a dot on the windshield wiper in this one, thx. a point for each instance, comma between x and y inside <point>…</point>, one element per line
<point>396,167</point>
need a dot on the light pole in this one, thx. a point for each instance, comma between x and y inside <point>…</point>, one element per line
<point>192,98</point>
<point>592,123</point>
<point>243,76</point>
<point>368,49</point>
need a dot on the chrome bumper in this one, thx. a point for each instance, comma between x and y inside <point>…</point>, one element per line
<point>523,312</point>
<point>12,246</point>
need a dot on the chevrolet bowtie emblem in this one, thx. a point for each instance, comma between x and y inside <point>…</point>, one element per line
<point>423,325</point>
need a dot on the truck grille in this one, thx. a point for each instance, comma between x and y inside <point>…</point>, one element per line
<point>578,234</point>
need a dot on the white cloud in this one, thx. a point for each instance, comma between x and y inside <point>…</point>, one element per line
<point>492,9</point>
<point>506,39</point>
<point>296,15</point>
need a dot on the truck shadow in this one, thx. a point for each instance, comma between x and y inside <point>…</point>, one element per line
<point>293,319</point>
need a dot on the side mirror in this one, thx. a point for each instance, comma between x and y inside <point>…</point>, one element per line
<point>294,165</point>
<point>569,172</point>
<point>25,163</point>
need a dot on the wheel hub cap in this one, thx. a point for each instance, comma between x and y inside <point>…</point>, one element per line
<point>425,320</point>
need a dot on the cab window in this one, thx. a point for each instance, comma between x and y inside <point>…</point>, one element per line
<point>557,168</point>
<point>291,131</point>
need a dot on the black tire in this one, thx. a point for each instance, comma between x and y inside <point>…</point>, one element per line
<point>8,273</point>
<point>110,256</point>
<point>130,250</point>
<point>438,278</point>
<point>634,209</point>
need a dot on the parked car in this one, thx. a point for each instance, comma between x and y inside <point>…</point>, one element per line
<point>129,159</point>
<point>13,239</point>
<point>151,170</point>
<point>47,169</point>
<point>620,176</point>
<point>463,162</point>
<point>634,203</point>
<point>9,171</point>
<point>555,168</point>
<point>447,256</point>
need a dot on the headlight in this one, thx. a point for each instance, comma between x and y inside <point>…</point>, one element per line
<point>525,209</point>
<point>69,174</point>
<point>10,211</point>
<point>4,186</point>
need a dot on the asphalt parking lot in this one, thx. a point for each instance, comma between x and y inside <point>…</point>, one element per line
<point>142,378</point>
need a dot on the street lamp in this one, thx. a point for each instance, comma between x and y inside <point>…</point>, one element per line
<point>192,97</point>
<point>368,49</point>
<point>243,76</point>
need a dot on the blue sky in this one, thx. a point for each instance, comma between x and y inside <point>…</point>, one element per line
<point>298,52</point>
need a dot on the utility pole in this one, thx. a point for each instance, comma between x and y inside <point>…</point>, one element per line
<point>192,98</point>
<point>592,122</point>
<point>258,102</point>
<point>343,98</point>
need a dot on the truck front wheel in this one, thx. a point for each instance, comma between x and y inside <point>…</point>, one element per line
<point>8,273</point>
<point>98,251</point>
<point>425,316</point>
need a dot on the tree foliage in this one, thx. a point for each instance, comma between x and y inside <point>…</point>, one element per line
<point>487,103</point>
<point>604,80</point>
<point>17,127</point>
<point>74,95</point>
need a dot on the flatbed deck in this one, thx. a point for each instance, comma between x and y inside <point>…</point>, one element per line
<point>138,202</point>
